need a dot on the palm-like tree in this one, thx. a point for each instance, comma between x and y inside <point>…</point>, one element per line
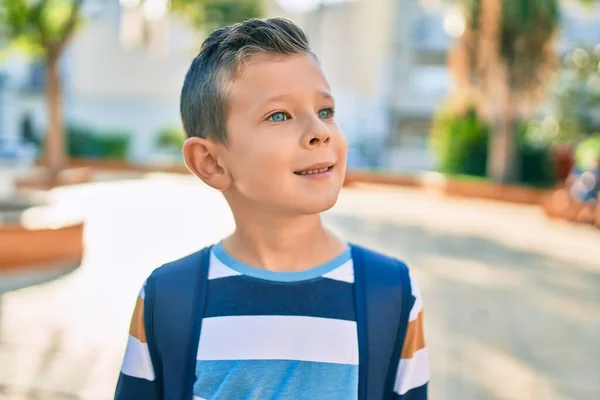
<point>506,56</point>
<point>44,28</point>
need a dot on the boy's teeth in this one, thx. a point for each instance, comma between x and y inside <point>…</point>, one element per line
<point>314,171</point>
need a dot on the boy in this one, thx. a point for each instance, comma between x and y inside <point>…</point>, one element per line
<point>277,314</point>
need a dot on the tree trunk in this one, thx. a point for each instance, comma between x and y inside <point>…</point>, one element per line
<point>55,140</point>
<point>503,163</point>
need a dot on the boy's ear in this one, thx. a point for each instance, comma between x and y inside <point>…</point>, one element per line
<point>201,158</point>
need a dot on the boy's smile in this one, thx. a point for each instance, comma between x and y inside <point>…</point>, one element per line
<point>285,149</point>
<point>323,169</point>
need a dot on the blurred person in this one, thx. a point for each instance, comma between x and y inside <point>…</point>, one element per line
<point>283,308</point>
<point>29,135</point>
<point>584,183</point>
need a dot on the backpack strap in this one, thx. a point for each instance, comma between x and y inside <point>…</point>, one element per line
<point>383,301</point>
<point>173,310</point>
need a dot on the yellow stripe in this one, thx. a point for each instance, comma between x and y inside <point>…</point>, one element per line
<point>136,329</point>
<point>415,337</point>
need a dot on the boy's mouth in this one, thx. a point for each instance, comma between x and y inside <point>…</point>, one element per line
<point>316,169</point>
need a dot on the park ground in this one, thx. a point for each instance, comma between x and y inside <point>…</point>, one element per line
<point>512,299</point>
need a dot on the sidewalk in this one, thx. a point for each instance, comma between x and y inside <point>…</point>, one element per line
<point>512,299</point>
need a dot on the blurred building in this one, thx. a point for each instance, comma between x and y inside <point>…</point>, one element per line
<point>385,59</point>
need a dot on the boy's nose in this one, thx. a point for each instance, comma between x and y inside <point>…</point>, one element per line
<point>317,136</point>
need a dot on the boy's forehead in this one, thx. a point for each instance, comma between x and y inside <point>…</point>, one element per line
<point>265,77</point>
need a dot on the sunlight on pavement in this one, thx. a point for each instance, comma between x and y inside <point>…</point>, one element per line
<point>507,293</point>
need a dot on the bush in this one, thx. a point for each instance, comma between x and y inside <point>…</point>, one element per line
<point>460,143</point>
<point>536,165</point>
<point>87,142</point>
<point>588,152</point>
<point>170,138</point>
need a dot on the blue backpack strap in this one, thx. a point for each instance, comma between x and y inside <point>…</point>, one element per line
<point>383,301</point>
<point>173,310</point>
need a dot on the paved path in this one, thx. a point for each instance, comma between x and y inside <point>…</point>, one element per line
<point>512,299</point>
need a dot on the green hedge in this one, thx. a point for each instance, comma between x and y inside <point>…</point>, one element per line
<point>537,167</point>
<point>460,144</point>
<point>170,138</point>
<point>84,141</point>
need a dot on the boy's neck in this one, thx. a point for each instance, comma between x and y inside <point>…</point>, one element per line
<point>283,243</point>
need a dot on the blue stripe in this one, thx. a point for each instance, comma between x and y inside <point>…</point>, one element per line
<point>418,393</point>
<point>240,295</point>
<point>129,388</point>
<point>261,273</point>
<point>275,379</point>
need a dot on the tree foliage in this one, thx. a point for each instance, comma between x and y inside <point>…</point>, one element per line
<point>212,14</point>
<point>576,95</point>
<point>508,43</point>
<point>42,27</point>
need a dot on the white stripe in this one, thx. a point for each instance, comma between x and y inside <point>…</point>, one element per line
<point>413,372</point>
<point>143,291</point>
<point>344,273</point>
<point>418,306</point>
<point>137,362</point>
<point>198,398</point>
<point>218,269</point>
<point>279,338</point>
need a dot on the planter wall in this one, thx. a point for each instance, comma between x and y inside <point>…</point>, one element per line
<point>22,247</point>
<point>453,187</point>
<point>43,181</point>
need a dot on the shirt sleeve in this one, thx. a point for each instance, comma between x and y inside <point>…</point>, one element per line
<point>137,379</point>
<point>413,372</point>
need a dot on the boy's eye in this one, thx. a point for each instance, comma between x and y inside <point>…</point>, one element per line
<point>326,113</point>
<point>279,116</point>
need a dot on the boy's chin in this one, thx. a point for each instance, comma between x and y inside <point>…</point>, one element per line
<point>316,205</point>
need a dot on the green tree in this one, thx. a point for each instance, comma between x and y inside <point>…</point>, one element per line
<point>506,55</point>
<point>211,14</point>
<point>44,28</point>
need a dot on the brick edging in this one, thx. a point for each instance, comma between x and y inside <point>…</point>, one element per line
<point>453,187</point>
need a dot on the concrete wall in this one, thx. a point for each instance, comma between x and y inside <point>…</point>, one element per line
<point>100,66</point>
<point>132,89</point>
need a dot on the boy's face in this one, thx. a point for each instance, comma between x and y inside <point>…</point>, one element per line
<point>285,149</point>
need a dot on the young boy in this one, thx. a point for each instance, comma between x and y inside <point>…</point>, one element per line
<point>278,314</point>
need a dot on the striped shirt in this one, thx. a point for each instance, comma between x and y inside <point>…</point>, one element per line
<point>280,335</point>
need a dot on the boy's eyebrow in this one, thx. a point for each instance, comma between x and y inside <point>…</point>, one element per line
<point>327,95</point>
